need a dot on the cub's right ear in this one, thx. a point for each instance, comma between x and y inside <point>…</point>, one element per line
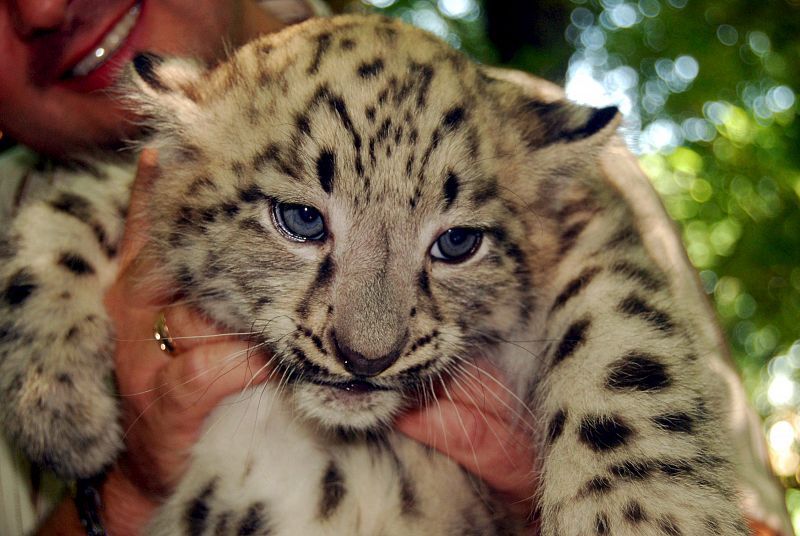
<point>544,118</point>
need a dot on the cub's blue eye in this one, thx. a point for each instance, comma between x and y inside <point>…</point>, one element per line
<point>299,222</point>
<point>456,244</point>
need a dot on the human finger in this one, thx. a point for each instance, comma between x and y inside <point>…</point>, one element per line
<point>136,226</point>
<point>488,446</point>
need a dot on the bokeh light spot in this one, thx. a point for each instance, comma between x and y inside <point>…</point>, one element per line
<point>727,34</point>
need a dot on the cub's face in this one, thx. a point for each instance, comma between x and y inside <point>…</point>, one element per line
<point>347,190</point>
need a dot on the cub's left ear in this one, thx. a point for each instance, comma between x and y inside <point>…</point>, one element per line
<point>547,123</point>
<point>156,75</point>
<point>167,90</point>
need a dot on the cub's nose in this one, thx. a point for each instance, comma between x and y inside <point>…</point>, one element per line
<point>361,365</point>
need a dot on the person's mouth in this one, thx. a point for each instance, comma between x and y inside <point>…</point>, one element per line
<point>108,45</point>
<point>96,65</point>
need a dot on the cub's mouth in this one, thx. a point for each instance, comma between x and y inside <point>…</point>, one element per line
<point>341,403</point>
<point>355,386</point>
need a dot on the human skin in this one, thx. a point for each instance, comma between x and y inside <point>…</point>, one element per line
<point>41,40</point>
<point>165,400</point>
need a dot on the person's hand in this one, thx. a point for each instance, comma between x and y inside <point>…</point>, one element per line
<point>476,423</point>
<point>165,396</point>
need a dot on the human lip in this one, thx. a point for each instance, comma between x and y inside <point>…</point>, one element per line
<point>96,66</point>
<point>108,44</point>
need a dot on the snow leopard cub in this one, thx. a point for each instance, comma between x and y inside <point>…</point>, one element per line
<point>380,211</point>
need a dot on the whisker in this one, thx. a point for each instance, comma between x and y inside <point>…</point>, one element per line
<point>489,425</point>
<point>514,411</point>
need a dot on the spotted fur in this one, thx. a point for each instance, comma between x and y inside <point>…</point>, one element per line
<point>394,138</point>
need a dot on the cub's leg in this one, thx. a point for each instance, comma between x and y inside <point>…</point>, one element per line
<point>633,442</point>
<point>58,257</point>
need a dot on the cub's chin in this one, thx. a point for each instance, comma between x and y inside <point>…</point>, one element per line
<point>353,406</point>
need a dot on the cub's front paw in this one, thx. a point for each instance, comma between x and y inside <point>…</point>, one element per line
<point>59,404</point>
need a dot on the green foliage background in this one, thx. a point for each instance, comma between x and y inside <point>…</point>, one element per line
<point>710,90</point>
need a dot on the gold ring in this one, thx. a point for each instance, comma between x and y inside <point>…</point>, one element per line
<point>161,334</point>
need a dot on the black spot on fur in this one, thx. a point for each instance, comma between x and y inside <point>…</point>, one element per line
<point>633,305</point>
<point>638,371</point>
<point>570,236</point>
<point>81,209</point>
<point>633,513</point>
<point>251,225</point>
<point>238,169</point>
<point>74,205</point>
<point>575,286</point>
<point>255,521</point>
<point>303,125</point>
<point>486,192</point>
<point>597,485</point>
<point>626,236</point>
<point>252,194</point>
<point>184,277</point>
<point>230,209</point>
<point>453,118</point>
<point>424,283</point>
<point>326,170</point>
<point>450,189</point>
<point>632,469</point>
<point>638,274</point>
<point>369,112</point>
<point>196,513</point>
<point>333,491</point>
<point>325,273</point>
<point>675,422</point>
<point>200,184</point>
<point>408,498</point>
<point>347,44</point>
<point>604,432</point>
<point>76,264</point>
<point>572,340</point>
<point>423,341</point>
<point>370,70</point>
<point>270,153</point>
<point>323,44</point>
<point>20,287</point>
<point>584,205</point>
<point>556,426</point>
<point>223,523</point>
<point>601,526</point>
<point>64,379</point>
<point>675,467</point>
<point>7,333</point>
<point>337,105</point>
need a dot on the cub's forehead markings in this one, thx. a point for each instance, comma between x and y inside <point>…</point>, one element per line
<point>451,186</point>
<point>322,46</point>
<point>370,69</point>
<point>348,43</point>
<point>454,117</point>
<point>336,103</point>
<point>326,169</point>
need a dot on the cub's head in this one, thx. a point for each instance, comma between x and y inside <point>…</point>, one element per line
<point>360,196</point>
